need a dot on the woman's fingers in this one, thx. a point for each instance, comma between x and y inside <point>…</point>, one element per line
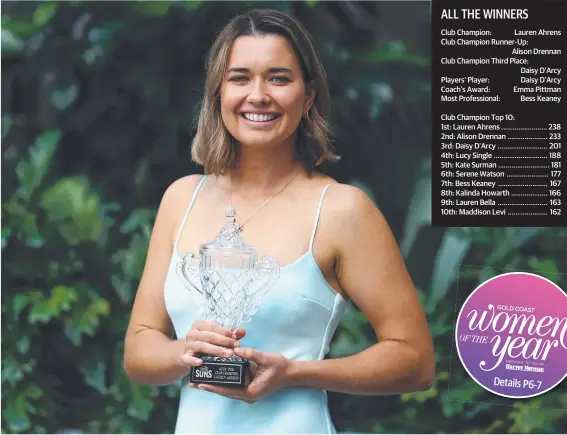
<point>191,361</point>
<point>206,325</point>
<point>212,338</point>
<point>239,334</point>
<point>208,349</point>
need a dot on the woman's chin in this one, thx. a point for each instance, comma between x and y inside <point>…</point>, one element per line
<point>258,141</point>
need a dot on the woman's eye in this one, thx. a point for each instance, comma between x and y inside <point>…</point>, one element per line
<point>280,79</point>
<point>238,78</point>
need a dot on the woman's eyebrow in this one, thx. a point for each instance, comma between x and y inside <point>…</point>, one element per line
<point>271,70</point>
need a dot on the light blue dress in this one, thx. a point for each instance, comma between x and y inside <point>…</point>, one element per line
<point>297,319</point>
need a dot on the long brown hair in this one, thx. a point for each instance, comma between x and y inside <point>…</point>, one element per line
<point>213,146</point>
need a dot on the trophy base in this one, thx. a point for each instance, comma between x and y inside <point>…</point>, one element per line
<point>227,372</point>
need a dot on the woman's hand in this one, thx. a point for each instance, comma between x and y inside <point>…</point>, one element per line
<point>211,339</point>
<point>271,374</point>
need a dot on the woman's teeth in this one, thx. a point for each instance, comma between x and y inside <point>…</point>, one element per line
<point>259,117</point>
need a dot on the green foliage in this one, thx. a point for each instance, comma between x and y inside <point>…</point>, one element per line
<point>10,42</point>
<point>56,314</point>
<point>88,153</point>
<point>395,51</point>
<point>43,13</point>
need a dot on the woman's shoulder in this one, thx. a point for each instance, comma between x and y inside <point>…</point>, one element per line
<point>177,196</point>
<point>343,197</point>
<point>181,189</point>
<point>349,204</point>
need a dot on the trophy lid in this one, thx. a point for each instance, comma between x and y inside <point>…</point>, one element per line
<point>228,239</point>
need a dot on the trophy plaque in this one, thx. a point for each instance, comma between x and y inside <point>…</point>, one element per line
<point>229,283</point>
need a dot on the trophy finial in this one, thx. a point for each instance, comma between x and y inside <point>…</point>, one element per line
<point>230,219</point>
<point>230,215</point>
<point>230,232</point>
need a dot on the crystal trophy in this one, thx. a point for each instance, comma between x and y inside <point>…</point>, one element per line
<point>229,283</point>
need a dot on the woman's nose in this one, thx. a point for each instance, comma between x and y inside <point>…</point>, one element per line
<point>258,94</point>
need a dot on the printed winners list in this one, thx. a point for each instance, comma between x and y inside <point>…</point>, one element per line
<point>498,113</point>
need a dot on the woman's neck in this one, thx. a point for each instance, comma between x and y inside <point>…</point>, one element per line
<point>262,172</point>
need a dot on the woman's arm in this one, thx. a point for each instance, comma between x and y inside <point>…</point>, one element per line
<point>150,354</point>
<point>371,271</point>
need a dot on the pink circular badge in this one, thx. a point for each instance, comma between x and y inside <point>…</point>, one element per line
<point>511,335</point>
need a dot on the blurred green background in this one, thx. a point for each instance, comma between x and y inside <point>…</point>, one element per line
<point>98,106</point>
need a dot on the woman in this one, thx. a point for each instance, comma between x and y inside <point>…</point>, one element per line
<point>261,136</point>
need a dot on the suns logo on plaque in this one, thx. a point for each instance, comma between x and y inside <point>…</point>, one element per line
<point>203,372</point>
<point>510,335</point>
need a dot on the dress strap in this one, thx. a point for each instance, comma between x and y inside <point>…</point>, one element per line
<point>317,217</point>
<point>188,211</point>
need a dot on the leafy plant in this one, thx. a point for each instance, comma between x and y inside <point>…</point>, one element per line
<point>56,318</point>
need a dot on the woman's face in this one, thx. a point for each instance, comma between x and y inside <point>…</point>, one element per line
<point>263,95</point>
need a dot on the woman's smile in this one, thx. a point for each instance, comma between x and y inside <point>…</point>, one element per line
<point>260,121</point>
